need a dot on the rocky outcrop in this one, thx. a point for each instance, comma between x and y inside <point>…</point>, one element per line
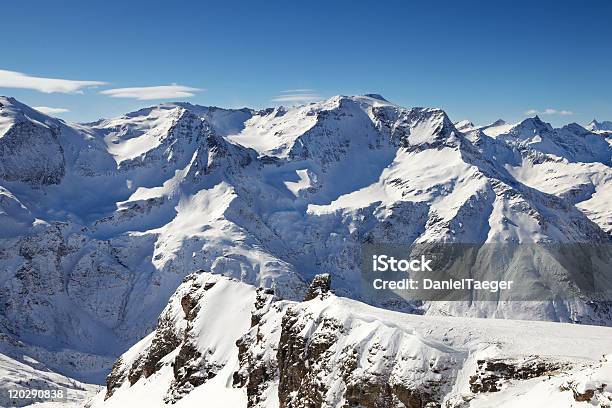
<point>493,374</point>
<point>320,286</point>
<point>177,347</point>
<point>167,337</point>
<point>116,377</point>
<point>314,359</point>
<point>190,367</point>
<point>330,352</point>
<point>258,368</point>
<point>301,361</point>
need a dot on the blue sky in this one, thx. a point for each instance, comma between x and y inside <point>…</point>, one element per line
<point>476,59</point>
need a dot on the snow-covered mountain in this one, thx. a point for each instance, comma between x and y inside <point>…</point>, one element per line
<point>334,352</point>
<point>100,222</point>
<point>595,126</point>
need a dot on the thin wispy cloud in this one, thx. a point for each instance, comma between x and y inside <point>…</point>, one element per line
<point>548,111</point>
<point>145,93</point>
<point>297,96</point>
<point>50,111</point>
<point>12,79</point>
<point>302,90</point>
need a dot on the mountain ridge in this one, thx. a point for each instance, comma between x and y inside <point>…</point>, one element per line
<point>332,351</point>
<point>594,125</point>
<point>272,198</point>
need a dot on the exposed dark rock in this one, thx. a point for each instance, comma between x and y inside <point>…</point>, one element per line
<point>492,374</point>
<point>262,298</point>
<point>164,342</point>
<point>320,286</point>
<point>209,285</point>
<point>300,360</point>
<point>382,395</point>
<point>190,369</point>
<point>586,396</point>
<point>115,378</point>
<point>189,304</point>
<point>255,372</point>
<point>379,391</point>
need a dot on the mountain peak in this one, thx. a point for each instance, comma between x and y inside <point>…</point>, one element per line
<point>575,127</point>
<point>12,111</point>
<point>10,104</point>
<point>376,96</point>
<point>7,99</point>
<point>30,151</point>
<point>595,126</point>
<point>464,125</point>
<point>535,124</point>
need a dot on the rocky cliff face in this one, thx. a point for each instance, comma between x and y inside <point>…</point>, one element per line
<point>334,352</point>
<point>101,222</point>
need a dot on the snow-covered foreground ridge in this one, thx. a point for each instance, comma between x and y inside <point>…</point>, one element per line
<point>100,222</point>
<point>16,376</point>
<point>330,351</point>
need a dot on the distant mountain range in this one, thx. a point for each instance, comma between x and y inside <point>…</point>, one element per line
<point>101,222</point>
<point>595,126</point>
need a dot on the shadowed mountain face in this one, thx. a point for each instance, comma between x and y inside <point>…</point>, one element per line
<point>100,222</point>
